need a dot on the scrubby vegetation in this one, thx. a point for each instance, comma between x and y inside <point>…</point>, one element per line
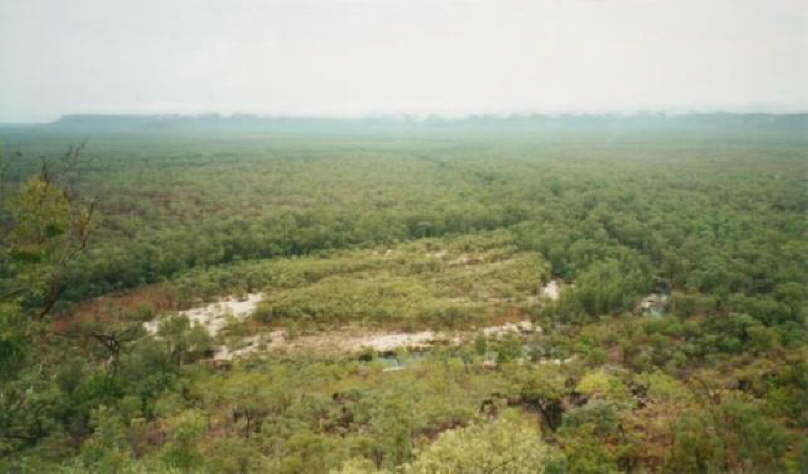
<point>424,229</point>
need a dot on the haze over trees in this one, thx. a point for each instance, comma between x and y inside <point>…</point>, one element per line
<point>677,343</point>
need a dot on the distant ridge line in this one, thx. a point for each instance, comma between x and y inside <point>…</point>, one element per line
<point>563,121</point>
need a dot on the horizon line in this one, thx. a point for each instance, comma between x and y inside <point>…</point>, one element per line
<point>419,116</point>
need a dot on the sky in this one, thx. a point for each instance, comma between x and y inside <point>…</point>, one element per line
<point>352,58</point>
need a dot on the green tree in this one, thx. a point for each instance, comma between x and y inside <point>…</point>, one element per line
<point>508,445</point>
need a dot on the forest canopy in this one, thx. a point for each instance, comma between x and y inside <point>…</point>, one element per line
<point>676,341</point>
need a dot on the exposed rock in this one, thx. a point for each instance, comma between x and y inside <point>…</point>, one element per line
<point>521,327</point>
<point>653,304</point>
<point>347,340</point>
<point>387,342</point>
<point>527,327</point>
<point>214,316</point>
<point>550,291</point>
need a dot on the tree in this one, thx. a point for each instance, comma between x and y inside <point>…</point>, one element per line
<point>107,450</point>
<point>44,227</point>
<point>507,445</point>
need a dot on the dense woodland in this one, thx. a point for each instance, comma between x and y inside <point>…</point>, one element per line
<point>441,226</point>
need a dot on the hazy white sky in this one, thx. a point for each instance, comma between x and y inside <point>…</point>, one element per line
<point>339,57</point>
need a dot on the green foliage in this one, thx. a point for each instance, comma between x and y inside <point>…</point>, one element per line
<point>508,445</point>
<point>107,449</point>
<point>399,233</point>
<point>601,384</point>
<point>182,340</point>
<point>451,283</point>
<point>732,436</point>
<point>508,350</point>
<point>585,451</point>
<point>604,287</point>
<point>666,388</point>
<point>180,451</point>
